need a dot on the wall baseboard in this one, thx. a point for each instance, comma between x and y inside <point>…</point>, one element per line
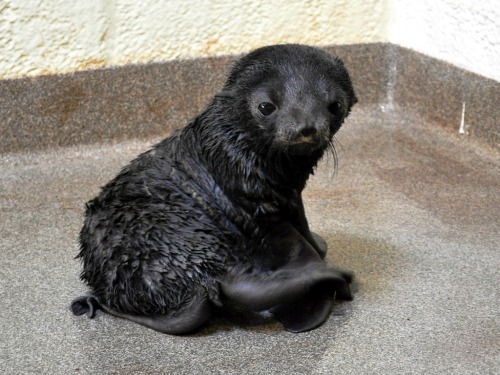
<point>145,101</point>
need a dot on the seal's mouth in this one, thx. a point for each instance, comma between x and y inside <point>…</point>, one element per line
<point>309,139</point>
<point>301,144</point>
<point>304,146</point>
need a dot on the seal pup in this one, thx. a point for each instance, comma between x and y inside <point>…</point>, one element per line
<point>213,214</point>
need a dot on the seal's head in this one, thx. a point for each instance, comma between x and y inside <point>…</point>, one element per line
<point>298,96</point>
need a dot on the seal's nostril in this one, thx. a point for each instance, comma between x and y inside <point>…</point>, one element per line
<point>308,131</point>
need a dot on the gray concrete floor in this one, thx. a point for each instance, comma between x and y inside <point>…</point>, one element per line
<point>413,210</point>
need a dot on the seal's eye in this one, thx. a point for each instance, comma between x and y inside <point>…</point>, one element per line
<point>335,108</point>
<point>266,108</point>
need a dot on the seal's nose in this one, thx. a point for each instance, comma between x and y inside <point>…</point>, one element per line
<point>308,131</point>
<point>306,134</point>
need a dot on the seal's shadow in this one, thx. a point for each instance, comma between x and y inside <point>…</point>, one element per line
<point>374,262</point>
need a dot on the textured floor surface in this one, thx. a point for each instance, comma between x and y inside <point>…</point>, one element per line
<point>413,211</point>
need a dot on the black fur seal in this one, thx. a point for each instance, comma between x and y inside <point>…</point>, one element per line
<point>213,214</point>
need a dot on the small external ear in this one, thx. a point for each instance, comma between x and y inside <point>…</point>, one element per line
<point>226,94</point>
<point>354,99</point>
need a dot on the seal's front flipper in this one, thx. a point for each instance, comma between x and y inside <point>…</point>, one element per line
<point>188,318</point>
<point>319,244</point>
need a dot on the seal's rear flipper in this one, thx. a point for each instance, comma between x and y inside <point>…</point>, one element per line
<point>300,298</point>
<point>85,305</point>
<point>190,317</point>
<point>313,308</point>
<point>306,314</point>
<point>266,291</point>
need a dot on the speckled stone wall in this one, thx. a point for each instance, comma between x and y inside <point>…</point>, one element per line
<point>107,105</point>
<point>446,95</point>
<point>144,101</point>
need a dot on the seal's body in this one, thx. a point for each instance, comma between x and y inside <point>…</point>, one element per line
<point>214,212</point>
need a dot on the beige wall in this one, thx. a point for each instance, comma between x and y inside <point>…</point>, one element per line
<point>53,36</point>
<point>58,36</point>
<point>463,32</point>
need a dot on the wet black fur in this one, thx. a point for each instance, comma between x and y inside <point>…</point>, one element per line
<point>214,213</point>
